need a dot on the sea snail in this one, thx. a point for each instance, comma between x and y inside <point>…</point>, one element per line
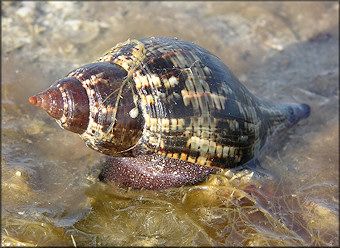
<point>166,111</point>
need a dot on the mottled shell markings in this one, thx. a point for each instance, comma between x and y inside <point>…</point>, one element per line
<point>169,97</point>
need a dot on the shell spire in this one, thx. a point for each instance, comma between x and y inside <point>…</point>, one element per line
<point>49,100</point>
<point>67,102</point>
<point>94,101</point>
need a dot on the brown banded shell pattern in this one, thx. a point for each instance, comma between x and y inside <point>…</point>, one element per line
<point>194,108</point>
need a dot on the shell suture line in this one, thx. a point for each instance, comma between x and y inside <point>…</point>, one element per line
<point>138,61</point>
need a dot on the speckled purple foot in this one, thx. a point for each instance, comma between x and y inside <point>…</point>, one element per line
<point>153,172</point>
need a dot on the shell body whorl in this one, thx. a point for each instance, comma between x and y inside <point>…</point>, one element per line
<point>169,97</point>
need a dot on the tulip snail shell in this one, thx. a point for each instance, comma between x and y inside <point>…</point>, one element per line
<point>166,111</point>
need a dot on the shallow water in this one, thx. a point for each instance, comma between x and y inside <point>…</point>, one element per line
<point>50,192</point>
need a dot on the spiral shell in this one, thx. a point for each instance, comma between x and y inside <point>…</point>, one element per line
<point>166,98</point>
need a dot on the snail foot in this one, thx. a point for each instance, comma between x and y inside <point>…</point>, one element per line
<point>153,172</point>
